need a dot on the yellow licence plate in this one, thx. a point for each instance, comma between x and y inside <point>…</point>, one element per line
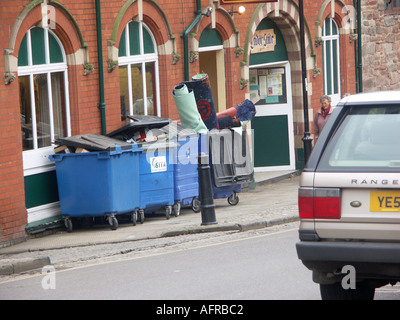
<point>385,201</point>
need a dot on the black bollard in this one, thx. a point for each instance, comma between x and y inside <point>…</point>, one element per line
<point>207,206</point>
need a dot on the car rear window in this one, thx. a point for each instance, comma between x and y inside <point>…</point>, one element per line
<point>368,139</point>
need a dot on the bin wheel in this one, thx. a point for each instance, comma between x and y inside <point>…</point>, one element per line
<point>177,208</point>
<point>233,200</point>
<point>112,220</point>
<point>141,216</point>
<point>91,222</point>
<point>134,217</point>
<point>68,224</point>
<point>168,211</point>
<point>196,205</point>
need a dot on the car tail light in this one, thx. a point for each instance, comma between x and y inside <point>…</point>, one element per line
<point>306,203</point>
<point>319,203</point>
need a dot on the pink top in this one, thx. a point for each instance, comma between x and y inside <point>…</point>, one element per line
<point>319,122</point>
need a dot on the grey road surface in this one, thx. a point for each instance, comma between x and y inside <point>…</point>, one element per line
<point>259,265</point>
<point>254,265</point>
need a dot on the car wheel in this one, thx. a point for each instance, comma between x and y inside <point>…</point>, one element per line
<point>335,291</point>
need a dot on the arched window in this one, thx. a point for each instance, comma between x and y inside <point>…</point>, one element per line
<point>138,71</point>
<point>331,51</point>
<point>43,85</point>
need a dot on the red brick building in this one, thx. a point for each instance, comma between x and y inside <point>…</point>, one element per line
<point>52,88</point>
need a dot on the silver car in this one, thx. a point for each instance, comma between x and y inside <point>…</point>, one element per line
<point>349,199</point>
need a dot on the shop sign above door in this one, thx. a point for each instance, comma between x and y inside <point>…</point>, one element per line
<point>263,41</point>
<point>245,1</point>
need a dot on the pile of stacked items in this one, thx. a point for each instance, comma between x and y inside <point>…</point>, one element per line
<point>196,108</point>
<point>228,146</point>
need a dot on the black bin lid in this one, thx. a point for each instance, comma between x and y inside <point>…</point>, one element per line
<point>139,122</point>
<point>93,142</point>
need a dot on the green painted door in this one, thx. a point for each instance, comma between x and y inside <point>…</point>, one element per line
<point>270,89</point>
<point>271,143</point>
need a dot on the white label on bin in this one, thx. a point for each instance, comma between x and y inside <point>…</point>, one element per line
<point>158,164</point>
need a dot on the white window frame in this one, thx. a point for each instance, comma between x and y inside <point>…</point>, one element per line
<point>142,59</point>
<point>330,38</point>
<point>36,160</point>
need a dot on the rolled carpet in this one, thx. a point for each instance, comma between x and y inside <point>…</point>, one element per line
<point>228,122</point>
<point>205,102</point>
<point>245,110</point>
<point>187,109</point>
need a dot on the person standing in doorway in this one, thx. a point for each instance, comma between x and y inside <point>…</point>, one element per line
<point>322,115</point>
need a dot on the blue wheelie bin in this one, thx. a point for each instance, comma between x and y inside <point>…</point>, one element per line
<point>186,181</point>
<point>98,184</point>
<point>156,168</point>
<point>156,178</point>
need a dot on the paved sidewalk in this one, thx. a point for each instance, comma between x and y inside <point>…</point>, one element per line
<point>271,200</point>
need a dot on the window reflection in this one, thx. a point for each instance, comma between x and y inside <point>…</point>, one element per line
<point>37,128</point>
<point>138,63</point>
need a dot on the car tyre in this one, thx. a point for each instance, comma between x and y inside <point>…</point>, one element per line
<point>335,291</point>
